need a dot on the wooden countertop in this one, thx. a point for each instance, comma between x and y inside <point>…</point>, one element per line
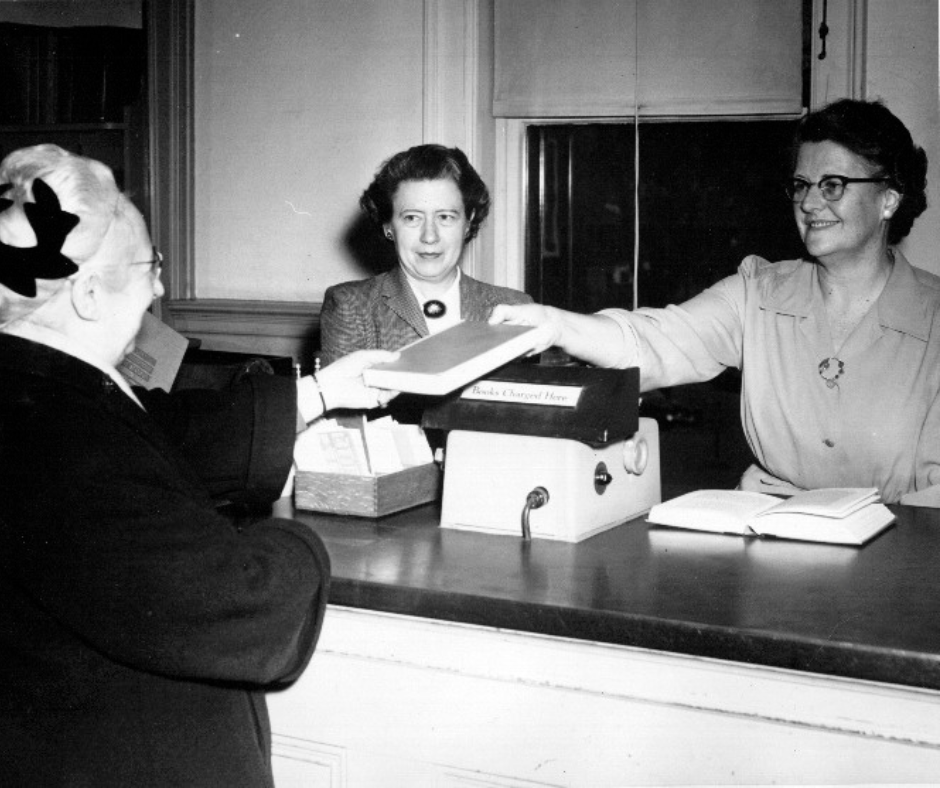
<point>865,613</point>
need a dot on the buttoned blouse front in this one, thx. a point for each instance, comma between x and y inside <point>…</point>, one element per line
<point>879,423</point>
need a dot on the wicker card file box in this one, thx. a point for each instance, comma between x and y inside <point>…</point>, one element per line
<point>367,496</point>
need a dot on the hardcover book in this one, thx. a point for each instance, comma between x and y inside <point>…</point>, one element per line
<point>836,515</point>
<point>440,363</point>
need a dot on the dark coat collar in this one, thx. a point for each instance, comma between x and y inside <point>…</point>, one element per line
<point>24,364</point>
<point>23,356</point>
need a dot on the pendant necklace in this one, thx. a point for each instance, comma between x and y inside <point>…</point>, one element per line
<point>434,308</point>
<point>830,370</point>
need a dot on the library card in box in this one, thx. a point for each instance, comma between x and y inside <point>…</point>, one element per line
<point>367,496</point>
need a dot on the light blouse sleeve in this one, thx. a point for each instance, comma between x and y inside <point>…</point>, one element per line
<point>691,342</point>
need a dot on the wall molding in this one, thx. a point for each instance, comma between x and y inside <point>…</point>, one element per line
<point>170,92</point>
<point>451,66</point>
<point>510,201</point>
<point>294,319</point>
<point>541,710</point>
<point>300,762</point>
<point>808,700</point>
<point>271,327</point>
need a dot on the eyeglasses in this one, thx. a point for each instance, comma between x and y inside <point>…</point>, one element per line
<point>155,263</point>
<point>831,187</point>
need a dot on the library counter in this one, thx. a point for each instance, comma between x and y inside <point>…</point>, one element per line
<point>869,613</point>
<point>453,658</point>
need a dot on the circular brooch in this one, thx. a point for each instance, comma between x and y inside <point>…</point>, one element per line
<point>830,370</point>
<point>434,308</point>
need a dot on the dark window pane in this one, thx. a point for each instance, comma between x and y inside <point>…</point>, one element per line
<point>710,193</point>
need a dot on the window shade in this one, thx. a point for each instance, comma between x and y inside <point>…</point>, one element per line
<point>583,58</point>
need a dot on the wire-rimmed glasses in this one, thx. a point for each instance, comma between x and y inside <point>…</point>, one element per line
<point>155,262</point>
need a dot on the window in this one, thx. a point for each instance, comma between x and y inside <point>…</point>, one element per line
<point>710,193</point>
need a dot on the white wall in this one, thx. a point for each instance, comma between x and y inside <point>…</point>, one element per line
<point>902,69</point>
<point>297,102</point>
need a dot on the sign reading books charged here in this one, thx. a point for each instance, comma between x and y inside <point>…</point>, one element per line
<point>523,393</point>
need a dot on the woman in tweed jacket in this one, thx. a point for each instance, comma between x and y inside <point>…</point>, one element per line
<point>429,202</point>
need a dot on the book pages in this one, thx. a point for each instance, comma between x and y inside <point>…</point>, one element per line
<point>847,516</point>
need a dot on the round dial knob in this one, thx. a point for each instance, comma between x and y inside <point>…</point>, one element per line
<point>636,455</point>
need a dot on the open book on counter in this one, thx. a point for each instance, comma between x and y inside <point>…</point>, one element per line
<point>836,515</point>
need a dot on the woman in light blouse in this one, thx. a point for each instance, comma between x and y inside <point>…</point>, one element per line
<point>839,350</point>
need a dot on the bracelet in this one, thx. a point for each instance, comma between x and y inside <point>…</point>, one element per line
<point>319,391</point>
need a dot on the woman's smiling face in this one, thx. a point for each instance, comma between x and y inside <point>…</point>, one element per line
<point>852,226</point>
<point>429,228</point>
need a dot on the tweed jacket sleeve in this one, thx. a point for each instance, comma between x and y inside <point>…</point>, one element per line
<point>377,313</point>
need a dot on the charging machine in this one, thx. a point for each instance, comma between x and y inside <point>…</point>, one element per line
<point>547,452</point>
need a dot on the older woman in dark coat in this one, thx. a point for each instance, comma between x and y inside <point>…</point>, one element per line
<point>139,628</point>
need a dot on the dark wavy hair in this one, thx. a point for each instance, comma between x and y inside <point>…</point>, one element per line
<point>427,163</point>
<point>870,130</point>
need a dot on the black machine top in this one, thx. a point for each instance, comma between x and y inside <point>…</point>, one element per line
<point>593,406</point>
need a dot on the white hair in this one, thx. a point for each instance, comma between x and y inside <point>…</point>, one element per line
<point>84,187</point>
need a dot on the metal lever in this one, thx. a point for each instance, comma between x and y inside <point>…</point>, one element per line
<point>534,500</point>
